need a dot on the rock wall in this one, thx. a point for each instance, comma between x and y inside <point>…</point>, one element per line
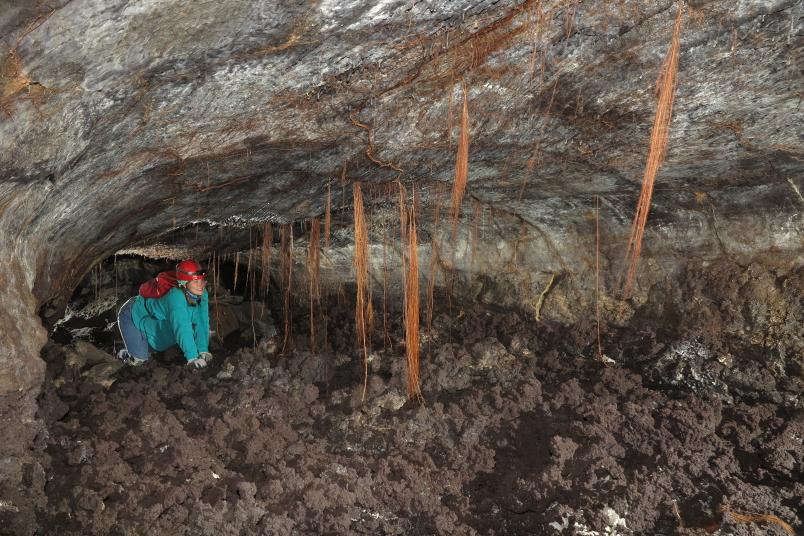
<point>21,374</point>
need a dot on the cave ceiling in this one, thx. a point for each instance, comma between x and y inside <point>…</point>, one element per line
<point>124,120</point>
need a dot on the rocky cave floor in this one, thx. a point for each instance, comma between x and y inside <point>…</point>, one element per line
<point>521,432</point>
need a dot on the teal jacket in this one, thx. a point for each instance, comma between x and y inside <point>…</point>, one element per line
<point>171,320</point>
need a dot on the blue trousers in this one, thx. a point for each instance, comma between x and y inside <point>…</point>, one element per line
<point>135,340</point>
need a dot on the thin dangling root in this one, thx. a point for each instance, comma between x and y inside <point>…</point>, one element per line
<point>361,278</point>
<point>412,308</point>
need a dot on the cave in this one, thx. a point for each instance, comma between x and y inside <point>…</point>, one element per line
<point>495,267</point>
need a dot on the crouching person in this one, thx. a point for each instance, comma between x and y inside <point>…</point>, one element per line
<point>179,317</point>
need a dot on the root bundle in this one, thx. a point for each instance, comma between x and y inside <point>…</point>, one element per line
<point>412,308</point>
<point>361,279</point>
<point>666,86</point>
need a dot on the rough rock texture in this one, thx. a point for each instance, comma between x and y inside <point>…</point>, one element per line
<point>517,437</point>
<point>121,122</point>
<point>124,121</point>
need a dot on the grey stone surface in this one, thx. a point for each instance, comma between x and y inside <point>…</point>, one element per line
<point>151,115</point>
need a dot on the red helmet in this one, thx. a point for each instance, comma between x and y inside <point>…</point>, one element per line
<point>189,270</point>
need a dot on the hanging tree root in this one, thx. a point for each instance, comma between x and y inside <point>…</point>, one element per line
<point>412,308</point>
<point>361,280</point>
<point>370,147</point>
<point>666,88</point>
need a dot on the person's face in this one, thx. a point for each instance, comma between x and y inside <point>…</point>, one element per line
<point>196,286</point>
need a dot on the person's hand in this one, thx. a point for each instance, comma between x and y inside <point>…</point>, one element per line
<point>206,356</point>
<point>199,363</point>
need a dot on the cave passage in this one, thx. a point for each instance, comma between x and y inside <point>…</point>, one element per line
<point>508,267</point>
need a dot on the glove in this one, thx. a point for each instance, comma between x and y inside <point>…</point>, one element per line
<point>198,362</point>
<point>206,356</point>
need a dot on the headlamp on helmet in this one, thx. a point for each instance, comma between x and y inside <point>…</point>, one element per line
<point>189,270</point>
